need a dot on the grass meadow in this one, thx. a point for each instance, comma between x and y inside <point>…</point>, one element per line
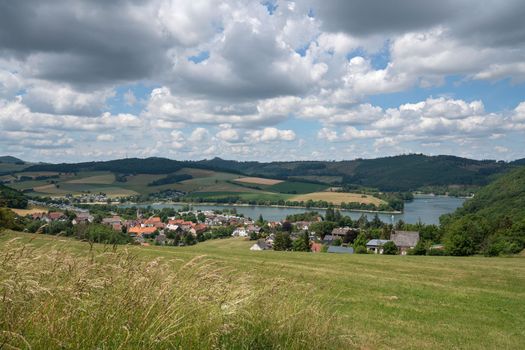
<point>338,197</point>
<point>64,293</point>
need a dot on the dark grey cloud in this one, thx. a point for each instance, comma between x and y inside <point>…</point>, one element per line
<point>80,42</point>
<point>368,17</point>
<point>491,22</point>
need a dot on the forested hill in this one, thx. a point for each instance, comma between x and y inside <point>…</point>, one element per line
<point>12,198</point>
<point>11,160</point>
<point>493,221</point>
<point>398,173</point>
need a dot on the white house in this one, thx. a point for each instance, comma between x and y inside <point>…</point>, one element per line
<point>240,232</point>
<point>261,245</point>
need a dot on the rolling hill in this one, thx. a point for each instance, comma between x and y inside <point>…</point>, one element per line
<point>399,173</point>
<point>10,159</point>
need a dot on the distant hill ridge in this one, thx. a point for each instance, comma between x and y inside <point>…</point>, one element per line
<point>396,173</point>
<point>10,159</point>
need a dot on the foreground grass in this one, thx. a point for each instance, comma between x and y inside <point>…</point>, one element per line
<point>102,298</point>
<point>279,299</point>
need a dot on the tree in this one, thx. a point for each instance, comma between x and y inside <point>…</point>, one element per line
<point>360,241</point>
<point>420,248</point>
<point>282,241</point>
<point>302,244</point>
<point>287,226</point>
<point>253,236</point>
<point>201,217</point>
<point>376,222</point>
<point>390,248</point>
<point>8,219</point>
<point>459,244</point>
<point>322,228</point>
<point>260,221</point>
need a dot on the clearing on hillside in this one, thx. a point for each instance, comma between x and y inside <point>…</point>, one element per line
<point>258,181</point>
<point>338,198</point>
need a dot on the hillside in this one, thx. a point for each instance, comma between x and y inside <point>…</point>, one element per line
<point>229,297</point>
<point>494,220</point>
<point>398,173</point>
<point>10,159</point>
<point>12,198</point>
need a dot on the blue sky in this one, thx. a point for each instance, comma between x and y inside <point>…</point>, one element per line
<point>269,80</point>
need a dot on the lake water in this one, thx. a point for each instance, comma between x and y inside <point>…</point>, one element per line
<point>426,208</point>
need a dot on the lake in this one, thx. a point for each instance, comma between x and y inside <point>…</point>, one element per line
<point>426,208</point>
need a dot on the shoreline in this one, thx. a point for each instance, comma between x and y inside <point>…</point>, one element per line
<point>266,206</point>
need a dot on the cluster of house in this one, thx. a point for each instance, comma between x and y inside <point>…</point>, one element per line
<point>81,217</point>
<point>404,240</point>
<point>88,198</point>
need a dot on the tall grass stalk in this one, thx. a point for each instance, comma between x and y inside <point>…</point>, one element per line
<point>52,298</point>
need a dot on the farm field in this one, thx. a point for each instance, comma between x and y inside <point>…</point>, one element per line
<point>206,185</point>
<point>258,181</point>
<point>377,302</point>
<point>338,197</point>
<point>32,210</point>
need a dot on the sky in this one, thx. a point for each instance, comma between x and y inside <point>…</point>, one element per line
<point>261,80</point>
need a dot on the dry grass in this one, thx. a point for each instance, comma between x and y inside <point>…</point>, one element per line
<point>24,212</point>
<point>258,181</point>
<point>338,198</point>
<point>112,299</point>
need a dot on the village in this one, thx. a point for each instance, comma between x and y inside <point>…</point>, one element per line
<point>188,227</point>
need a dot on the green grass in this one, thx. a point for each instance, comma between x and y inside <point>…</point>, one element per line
<point>296,187</point>
<point>246,196</point>
<point>408,302</point>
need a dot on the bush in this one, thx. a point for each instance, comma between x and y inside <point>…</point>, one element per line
<point>459,244</point>
<point>390,248</point>
<point>360,249</point>
<point>436,252</point>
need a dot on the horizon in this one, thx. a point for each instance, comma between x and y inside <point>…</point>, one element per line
<point>263,81</point>
<point>268,161</point>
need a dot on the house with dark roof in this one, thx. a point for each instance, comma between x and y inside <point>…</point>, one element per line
<point>405,240</point>
<point>376,245</point>
<point>346,234</point>
<point>329,239</point>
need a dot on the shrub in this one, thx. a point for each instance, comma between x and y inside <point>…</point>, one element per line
<point>360,249</point>
<point>390,248</point>
<point>459,244</point>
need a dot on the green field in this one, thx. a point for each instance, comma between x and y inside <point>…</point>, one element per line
<point>295,187</point>
<point>370,301</point>
<point>207,185</point>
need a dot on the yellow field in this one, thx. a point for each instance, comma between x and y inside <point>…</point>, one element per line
<point>104,179</point>
<point>258,181</point>
<point>24,212</point>
<point>338,198</point>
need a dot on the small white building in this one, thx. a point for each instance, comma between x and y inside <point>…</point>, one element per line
<point>240,232</point>
<point>376,245</point>
<point>261,245</point>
